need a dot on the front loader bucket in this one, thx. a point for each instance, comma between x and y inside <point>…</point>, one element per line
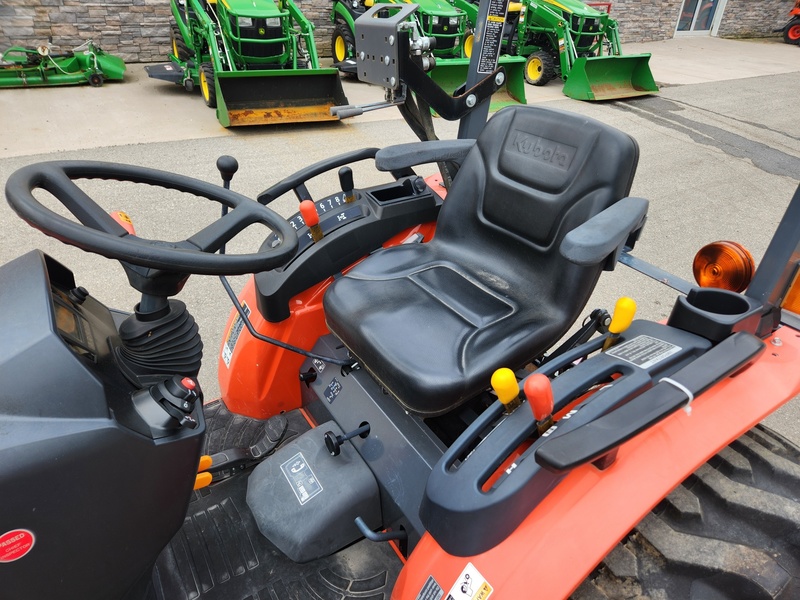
<point>278,96</point>
<point>451,73</point>
<point>609,77</point>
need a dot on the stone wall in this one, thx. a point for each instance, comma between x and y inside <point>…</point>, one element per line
<point>138,30</point>
<point>646,20</point>
<point>754,18</point>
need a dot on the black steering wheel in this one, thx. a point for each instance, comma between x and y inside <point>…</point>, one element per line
<point>98,232</point>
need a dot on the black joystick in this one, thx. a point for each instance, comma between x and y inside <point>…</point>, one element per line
<point>346,183</point>
<point>227,166</point>
<point>334,442</point>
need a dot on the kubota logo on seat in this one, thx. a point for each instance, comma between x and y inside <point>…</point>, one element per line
<point>554,153</point>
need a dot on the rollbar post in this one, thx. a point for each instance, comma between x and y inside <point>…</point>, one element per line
<point>485,53</point>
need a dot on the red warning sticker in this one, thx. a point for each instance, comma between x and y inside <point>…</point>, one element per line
<point>15,544</point>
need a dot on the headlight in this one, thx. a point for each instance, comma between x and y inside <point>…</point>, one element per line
<point>453,21</point>
<point>435,20</point>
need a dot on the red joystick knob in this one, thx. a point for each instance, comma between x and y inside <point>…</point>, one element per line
<point>188,383</point>
<point>539,393</point>
<point>309,213</point>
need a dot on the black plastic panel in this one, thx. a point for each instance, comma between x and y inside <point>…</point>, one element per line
<point>351,232</point>
<point>466,519</point>
<point>70,473</point>
<point>400,449</point>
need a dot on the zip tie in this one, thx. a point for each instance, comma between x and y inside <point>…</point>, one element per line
<point>688,406</point>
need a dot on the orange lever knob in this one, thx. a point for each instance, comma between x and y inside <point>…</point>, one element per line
<point>539,393</point>
<point>309,213</point>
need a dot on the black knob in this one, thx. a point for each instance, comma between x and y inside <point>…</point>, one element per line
<point>78,295</point>
<point>227,166</point>
<point>346,179</point>
<point>334,442</point>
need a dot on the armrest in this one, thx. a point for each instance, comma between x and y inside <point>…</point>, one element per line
<point>403,156</point>
<point>605,234</point>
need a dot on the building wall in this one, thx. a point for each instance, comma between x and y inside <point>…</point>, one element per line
<point>754,18</point>
<point>138,30</point>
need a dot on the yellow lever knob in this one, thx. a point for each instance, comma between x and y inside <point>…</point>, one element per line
<point>624,312</point>
<point>505,385</point>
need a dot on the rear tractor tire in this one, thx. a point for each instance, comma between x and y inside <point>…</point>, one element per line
<point>207,89</point>
<point>343,44</point>
<point>539,68</point>
<point>179,48</point>
<point>791,33</point>
<point>730,531</point>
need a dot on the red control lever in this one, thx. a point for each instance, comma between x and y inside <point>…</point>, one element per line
<point>309,213</point>
<point>539,393</point>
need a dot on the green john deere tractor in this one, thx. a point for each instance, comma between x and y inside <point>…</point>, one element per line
<point>436,18</point>
<point>441,20</point>
<point>573,41</point>
<point>255,61</point>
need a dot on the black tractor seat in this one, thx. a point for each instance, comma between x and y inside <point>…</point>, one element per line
<point>536,212</point>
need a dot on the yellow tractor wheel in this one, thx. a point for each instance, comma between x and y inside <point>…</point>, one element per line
<point>469,41</point>
<point>207,88</point>
<point>539,68</point>
<point>343,45</point>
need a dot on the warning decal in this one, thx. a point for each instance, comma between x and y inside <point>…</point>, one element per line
<point>301,478</point>
<point>233,335</point>
<point>644,351</point>
<point>15,544</point>
<point>431,590</point>
<point>470,585</point>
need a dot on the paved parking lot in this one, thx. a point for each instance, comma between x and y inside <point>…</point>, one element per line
<point>720,157</point>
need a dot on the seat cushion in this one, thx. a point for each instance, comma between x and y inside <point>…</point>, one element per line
<point>428,330</point>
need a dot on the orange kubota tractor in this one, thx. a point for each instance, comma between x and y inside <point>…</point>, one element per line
<point>398,415</point>
<point>791,31</point>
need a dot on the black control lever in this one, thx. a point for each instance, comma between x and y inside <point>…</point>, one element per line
<point>227,166</point>
<point>334,442</point>
<point>346,182</point>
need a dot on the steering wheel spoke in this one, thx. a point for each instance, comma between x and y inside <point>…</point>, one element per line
<point>78,202</point>
<point>223,230</point>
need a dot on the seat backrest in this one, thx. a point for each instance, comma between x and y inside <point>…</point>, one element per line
<point>539,174</point>
<point>534,175</point>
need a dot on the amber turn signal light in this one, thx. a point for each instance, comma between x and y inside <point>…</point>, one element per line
<point>725,265</point>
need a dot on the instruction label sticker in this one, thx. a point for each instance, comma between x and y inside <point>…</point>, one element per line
<point>233,335</point>
<point>431,590</point>
<point>492,36</point>
<point>470,585</point>
<point>301,478</point>
<point>333,390</point>
<point>15,544</point>
<point>644,351</point>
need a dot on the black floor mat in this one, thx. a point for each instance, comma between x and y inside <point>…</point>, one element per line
<point>219,554</point>
<point>226,430</point>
